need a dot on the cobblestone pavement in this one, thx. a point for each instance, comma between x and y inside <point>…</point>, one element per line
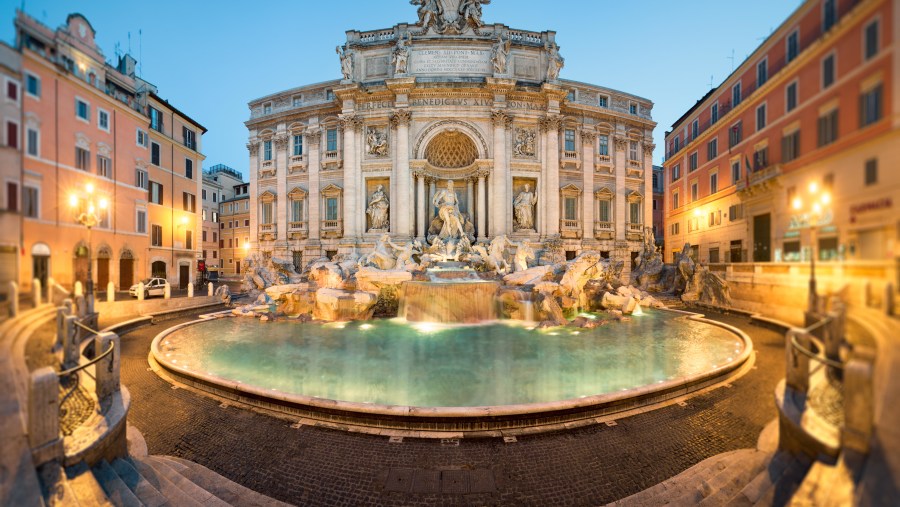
<point>586,466</point>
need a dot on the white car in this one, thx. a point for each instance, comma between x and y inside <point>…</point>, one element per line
<point>152,287</point>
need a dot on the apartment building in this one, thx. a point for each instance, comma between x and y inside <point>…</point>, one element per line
<point>10,165</point>
<point>234,243</point>
<point>659,196</point>
<point>220,184</point>
<point>811,115</point>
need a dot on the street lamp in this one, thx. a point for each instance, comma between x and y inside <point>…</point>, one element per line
<point>814,209</point>
<point>88,208</point>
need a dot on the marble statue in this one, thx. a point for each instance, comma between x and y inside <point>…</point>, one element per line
<point>524,253</point>
<point>523,206</point>
<point>378,210</point>
<point>382,257</point>
<point>376,142</point>
<point>405,254</point>
<point>447,202</point>
<point>400,56</point>
<point>500,55</point>
<point>431,12</point>
<point>346,61</point>
<point>524,143</point>
<point>650,264</point>
<point>470,14</point>
<point>556,62</point>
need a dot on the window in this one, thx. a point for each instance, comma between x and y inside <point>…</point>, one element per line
<point>298,260</point>
<point>215,196</point>
<point>190,138</point>
<point>569,140</point>
<point>790,97</point>
<point>603,145</point>
<point>12,90</point>
<point>331,208</point>
<point>297,100</point>
<point>695,129</point>
<point>140,178</point>
<point>793,46</point>
<point>713,183</point>
<point>829,14</point>
<point>828,182</point>
<point>695,192</point>
<point>32,143</point>
<point>331,140</point>
<point>761,117</point>
<point>215,217</point>
<point>762,72</point>
<point>712,149</point>
<point>735,212</point>
<point>156,119</point>
<point>828,71</point>
<point>203,194</point>
<point>246,223</point>
<point>604,101</point>
<point>104,166</point>
<point>692,162</point>
<point>676,228</point>
<point>215,254</point>
<point>571,96</point>
<point>298,145</point>
<point>267,150</point>
<point>156,193</point>
<point>675,203</point>
<point>267,108</point>
<point>268,217</point>
<point>156,238</point>
<point>871,39</point>
<point>828,128</point>
<point>141,138</point>
<point>82,110</point>
<point>870,107</point>
<point>204,219</point>
<point>735,171</point>
<point>676,172</point>
<point>33,85</point>
<point>141,222</point>
<point>12,134</point>
<point>871,172</point>
<point>571,208</point>
<point>189,240</point>
<point>230,242</point>
<point>30,201</point>
<point>297,210</point>
<point>189,202</point>
<point>633,108</point>
<point>634,212</point>
<point>654,205</point>
<point>736,134</point>
<point>102,119</point>
<point>676,143</point>
<point>761,158</point>
<point>188,168</point>
<point>790,146</point>
<point>154,154</point>
<point>605,214</point>
<point>735,95</point>
<point>215,236</point>
<point>633,150</point>
<point>714,113</point>
<point>655,180</point>
<point>329,94</point>
<point>82,159</point>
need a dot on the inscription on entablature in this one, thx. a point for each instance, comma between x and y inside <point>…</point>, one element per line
<point>439,102</point>
<point>452,61</point>
<point>374,105</point>
<point>520,104</point>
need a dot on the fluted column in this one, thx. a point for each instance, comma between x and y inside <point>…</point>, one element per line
<point>432,188</point>
<point>253,148</point>
<point>621,166</point>
<point>588,138</point>
<point>551,125</point>
<point>648,184</point>
<point>402,201</point>
<point>420,213</point>
<point>311,144</point>
<point>501,217</point>
<point>281,214</point>
<point>482,194</point>
<point>470,198</point>
<point>351,124</point>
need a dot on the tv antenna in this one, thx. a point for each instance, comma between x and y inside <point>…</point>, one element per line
<point>732,60</point>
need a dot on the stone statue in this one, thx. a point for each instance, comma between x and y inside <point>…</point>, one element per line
<point>400,57</point>
<point>376,142</point>
<point>447,202</point>
<point>378,210</point>
<point>382,257</point>
<point>500,55</point>
<point>431,12</point>
<point>346,61</point>
<point>523,206</point>
<point>405,254</point>
<point>524,253</point>
<point>524,143</point>
<point>556,62</point>
<point>470,14</point>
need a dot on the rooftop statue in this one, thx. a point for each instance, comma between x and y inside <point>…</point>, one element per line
<point>470,14</point>
<point>346,61</point>
<point>431,12</point>
<point>556,63</point>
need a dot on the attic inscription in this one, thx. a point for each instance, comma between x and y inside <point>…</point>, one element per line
<point>452,61</point>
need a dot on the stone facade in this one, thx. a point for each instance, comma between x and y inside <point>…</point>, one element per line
<point>449,99</point>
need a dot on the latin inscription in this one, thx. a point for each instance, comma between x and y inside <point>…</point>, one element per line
<point>373,105</point>
<point>451,61</point>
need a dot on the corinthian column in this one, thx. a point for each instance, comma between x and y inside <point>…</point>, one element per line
<point>281,214</point>
<point>500,198</point>
<point>420,213</point>
<point>551,125</point>
<point>482,194</point>
<point>621,166</point>
<point>311,143</point>
<point>402,202</point>
<point>588,138</point>
<point>351,125</point>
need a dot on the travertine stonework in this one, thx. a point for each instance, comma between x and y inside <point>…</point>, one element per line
<point>449,98</point>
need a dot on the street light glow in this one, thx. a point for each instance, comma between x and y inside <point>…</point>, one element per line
<point>103,203</point>
<point>73,200</point>
<point>246,246</point>
<point>184,220</point>
<point>813,187</point>
<point>798,203</point>
<point>826,198</point>
<point>90,188</point>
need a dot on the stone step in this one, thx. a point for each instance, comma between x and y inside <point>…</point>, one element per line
<point>769,475</point>
<point>724,486</point>
<point>825,486</point>
<point>55,489</point>
<point>198,494</point>
<point>780,493</point>
<point>85,487</point>
<point>227,490</point>
<point>116,490</point>
<point>146,492</point>
<point>174,495</point>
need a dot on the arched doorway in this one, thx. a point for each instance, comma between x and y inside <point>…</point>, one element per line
<point>126,269</point>
<point>80,262</point>
<point>158,269</point>
<point>40,262</point>
<point>103,255</point>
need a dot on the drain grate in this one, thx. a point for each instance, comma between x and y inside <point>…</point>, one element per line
<point>395,440</point>
<point>450,442</point>
<point>611,423</point>
<point>510,440</point>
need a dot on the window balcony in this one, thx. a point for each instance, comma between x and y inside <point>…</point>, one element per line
<point>332,161</point>
<point>298,230</point>
<point>570,228</point>
<point>761,179</point>
<point>604,230</point>
<point>604,164</point>
<point>635,169</point>
<point>297,164</point>
<point>635,232</point>
<point>332,228</point>
<point>267,169</point>
<point>266,232</point>
<point>570,159</point>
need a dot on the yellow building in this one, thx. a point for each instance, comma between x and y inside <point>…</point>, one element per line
<point>234,239</point>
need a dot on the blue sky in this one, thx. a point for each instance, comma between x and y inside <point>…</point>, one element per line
<point>210,58</point>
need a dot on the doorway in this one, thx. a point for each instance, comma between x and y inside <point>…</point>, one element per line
<point>126,273</point>
<point>40,262</point>
<point>158,269</point>
<point>762,238</point>
<point>184,275</point>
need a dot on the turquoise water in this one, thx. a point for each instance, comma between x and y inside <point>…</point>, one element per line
<point>392,362</point>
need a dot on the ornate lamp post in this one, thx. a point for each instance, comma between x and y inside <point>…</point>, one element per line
<point>88,208</point>
<point>814,208</point>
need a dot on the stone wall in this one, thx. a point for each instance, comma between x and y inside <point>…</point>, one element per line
<point>120,309</point>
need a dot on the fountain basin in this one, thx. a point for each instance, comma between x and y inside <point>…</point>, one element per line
<point>391,374</point>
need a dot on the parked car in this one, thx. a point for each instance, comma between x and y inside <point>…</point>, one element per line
<point>152,287</point>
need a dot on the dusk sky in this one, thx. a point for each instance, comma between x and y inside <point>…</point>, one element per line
<point>210,58</point>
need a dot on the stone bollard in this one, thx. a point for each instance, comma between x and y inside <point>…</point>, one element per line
<point>51,286</point>
<point>43,415</point>
<point>140,291</point>
<point>69,304</point>
<point>859,400</point>
<point>61,313</point>
<point>36,292</point>
<point>110,292</point>
<point>190,290</point>
<point>209,289</point>
<point>79,289</point>
<point>70,342</point>
<point>167,292</point>
<point>797,375</point>
<point>80,306</point>
<point>889,300</point>
<point>107,368</point>
<point>13,297</point>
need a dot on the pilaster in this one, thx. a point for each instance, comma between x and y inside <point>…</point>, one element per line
<point>281,214</point>
<point>402,203</point>
<point>620,167</point>
<point>500,180</point>
<point>351,125</point>
<point>253,149</point>
<point>312,144</point>
<point>550,125</point>
<point>588,138</point>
